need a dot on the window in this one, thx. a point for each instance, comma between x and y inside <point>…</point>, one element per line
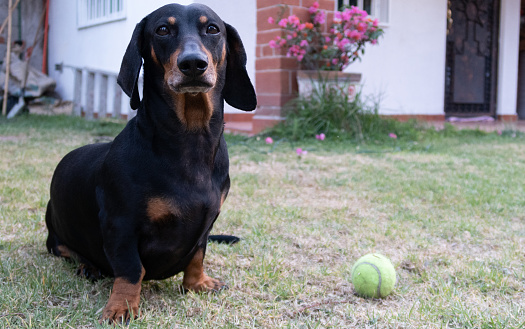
<point>375,8</point>
<point>94,12</point>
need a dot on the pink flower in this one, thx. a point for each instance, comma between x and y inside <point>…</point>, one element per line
<point>294,20</point>
<point>345,15</point>
<point>269,140</point>
<point>320,18</point>
<point>338,18</point>
<point>300,151</point>
<point>500,132</point>
<point>314,8</point>
<point>320,137</point>
<point>392,135</point>
<point>271,20</point>
<point>272,44</point>
<point>361,27</point>
<point>283,22</point>
<point>303,43</point>
<point>355,35</point>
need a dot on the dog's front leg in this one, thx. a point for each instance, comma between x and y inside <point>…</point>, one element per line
<point>124,300</point>
<point>121,249</point>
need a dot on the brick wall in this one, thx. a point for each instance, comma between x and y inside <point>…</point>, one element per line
<point>275,74</point>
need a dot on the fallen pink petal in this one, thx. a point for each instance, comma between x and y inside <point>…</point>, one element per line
<point>269,140</point>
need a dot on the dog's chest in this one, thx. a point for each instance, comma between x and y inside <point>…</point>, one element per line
<point>173,226</point>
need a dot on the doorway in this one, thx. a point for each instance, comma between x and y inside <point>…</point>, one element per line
<point>471,58</point>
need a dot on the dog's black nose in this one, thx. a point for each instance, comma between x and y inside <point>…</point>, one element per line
<point>192,64</point>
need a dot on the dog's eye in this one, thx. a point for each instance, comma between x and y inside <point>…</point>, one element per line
<point>212,29</point>
<point>163,30</point>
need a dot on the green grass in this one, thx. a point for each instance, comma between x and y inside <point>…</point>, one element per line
<point>448,208</point>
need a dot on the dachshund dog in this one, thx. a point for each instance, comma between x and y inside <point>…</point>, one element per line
<point>142,206</point>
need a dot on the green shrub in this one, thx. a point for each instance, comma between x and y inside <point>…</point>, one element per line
<point>330,110</point>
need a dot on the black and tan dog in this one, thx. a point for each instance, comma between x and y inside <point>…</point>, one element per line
<point>142,206</point>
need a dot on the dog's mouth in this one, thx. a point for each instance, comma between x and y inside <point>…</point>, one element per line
<point>192,88</point>
<point>186,85</point>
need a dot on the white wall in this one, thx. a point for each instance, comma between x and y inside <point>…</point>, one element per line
<point>102,47</point>
<point>508,57</point>
<point>407,67</point>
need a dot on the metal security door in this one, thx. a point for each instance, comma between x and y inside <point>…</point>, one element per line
<point>471,58</point>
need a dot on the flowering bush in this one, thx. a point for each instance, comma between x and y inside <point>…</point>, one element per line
<point>343,44</point>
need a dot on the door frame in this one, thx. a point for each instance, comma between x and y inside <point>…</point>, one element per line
<point>449,107</point>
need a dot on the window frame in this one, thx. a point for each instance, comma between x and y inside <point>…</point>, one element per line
<point>377,8</point>
<point>117,13</point>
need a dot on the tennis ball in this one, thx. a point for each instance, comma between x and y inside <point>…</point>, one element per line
<point>373,275</point>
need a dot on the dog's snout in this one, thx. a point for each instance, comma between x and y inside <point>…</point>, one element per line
<point>192,64</point>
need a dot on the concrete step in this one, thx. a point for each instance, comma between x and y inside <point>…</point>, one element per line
<point>239,127</point>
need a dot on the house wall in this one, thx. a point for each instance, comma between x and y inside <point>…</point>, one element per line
<point>102,47</point>
<point>406,70</point>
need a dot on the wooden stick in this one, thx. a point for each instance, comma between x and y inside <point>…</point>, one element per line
<point>6,19</point>
<point>8,59</point>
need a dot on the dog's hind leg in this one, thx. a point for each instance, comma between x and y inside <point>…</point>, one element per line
<point>53,244</point>
<point>196,280</point>
<point>57,248</point>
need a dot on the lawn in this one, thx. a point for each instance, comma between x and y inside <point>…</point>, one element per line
<point>447,208</point>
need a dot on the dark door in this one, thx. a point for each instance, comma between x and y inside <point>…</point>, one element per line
<point>471,63</point>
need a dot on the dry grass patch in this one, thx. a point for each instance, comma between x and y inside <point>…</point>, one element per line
<point>450,217</point>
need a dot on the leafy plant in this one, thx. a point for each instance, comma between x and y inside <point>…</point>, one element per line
<point>331,50</point>
<point>331,111</point>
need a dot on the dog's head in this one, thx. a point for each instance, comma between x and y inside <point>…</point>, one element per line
<point>193,51</point>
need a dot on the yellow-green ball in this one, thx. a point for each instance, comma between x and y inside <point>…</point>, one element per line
<point>373,276</point>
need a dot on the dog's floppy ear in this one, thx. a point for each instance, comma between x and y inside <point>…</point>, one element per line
<point>238,90</point>
<point>130,67</point>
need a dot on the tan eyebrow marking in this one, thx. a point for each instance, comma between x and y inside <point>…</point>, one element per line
<point>203,19</point>
<point>171,20</point>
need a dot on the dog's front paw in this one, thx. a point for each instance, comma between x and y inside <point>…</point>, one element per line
<point>204,284</point>
<point>123,303</point>
<point>118,313</point>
